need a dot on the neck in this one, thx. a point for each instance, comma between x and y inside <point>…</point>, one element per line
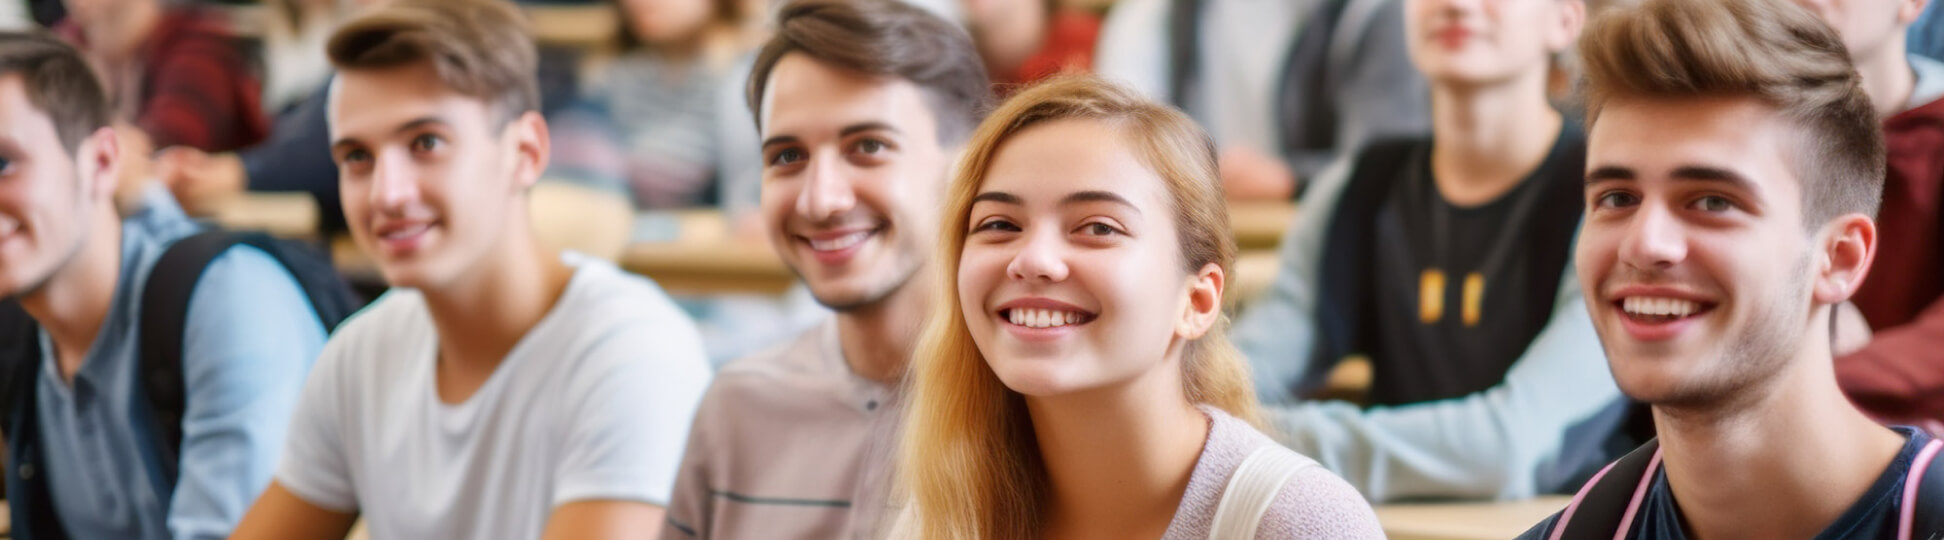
<point>1887,77</point>
<point>878,339</point>
<point>1793,439</point>
<point>117,39</point>
<point>482,315</point>
<point>1007,41</point>
<point>1487,138</point>
<point>1118,459</point>
<point>73,304</point>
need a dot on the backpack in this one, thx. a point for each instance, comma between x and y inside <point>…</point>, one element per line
<point>163,318</point>
<point>1606,506</point>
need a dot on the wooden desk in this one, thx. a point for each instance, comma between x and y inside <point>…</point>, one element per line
<point>1260,225</point>
<point>1466,521</point>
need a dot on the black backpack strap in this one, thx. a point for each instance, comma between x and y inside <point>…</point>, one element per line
<point>1923,502</point>
<point>164,316</point>
<point>1600,508</point>
<point>1184,38</point>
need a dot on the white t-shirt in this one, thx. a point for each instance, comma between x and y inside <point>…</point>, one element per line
<point>593,403</point>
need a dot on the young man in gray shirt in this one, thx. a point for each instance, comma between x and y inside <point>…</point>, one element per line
<point>862,106</point>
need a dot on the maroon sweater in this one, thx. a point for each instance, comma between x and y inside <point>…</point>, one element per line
<point>1899,377</point>
<point>197,88</point>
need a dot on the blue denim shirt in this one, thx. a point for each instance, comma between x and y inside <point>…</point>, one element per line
<point>250,339</point>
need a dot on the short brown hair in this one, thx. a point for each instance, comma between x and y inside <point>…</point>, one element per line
<point>883,37</point>
<point>1772,50</point>
<point>480,48</point>
<point>58,82</point>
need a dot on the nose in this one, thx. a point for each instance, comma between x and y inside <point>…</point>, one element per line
<point>1655,239</point>
<point>394,182</point>
<point>827,191</point>
<point>1041,257</point>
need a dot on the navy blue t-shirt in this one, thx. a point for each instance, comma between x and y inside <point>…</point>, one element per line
<point>1873,516</point>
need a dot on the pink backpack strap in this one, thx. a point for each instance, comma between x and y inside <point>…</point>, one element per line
<point>1911,481</point>
<point>1567,515</point>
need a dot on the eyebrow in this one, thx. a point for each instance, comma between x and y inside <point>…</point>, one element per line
<point>415,123</point>
<point>1071,199</point>
<point>1690,173</point>
<point>847,131</point>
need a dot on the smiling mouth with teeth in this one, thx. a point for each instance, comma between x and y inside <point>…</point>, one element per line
<point>1659,310</point>
<point>1045,318</point>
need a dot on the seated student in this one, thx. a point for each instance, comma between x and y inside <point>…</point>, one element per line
<point>1896,374</point>
<point>88,457</point>
<point>1023,41</point>
<point>1074,380</point>
<point>1285,87</point>
<point>1446,262</point>
<point>502,389</point>
<point>862,105</point>
<point>1728,214</point>
<point>174,72</point>
<point>646,120</point>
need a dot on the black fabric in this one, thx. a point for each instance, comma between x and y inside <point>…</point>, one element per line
<point>1519,244</point>
<point>1874,516</point>
<point>164,317</point>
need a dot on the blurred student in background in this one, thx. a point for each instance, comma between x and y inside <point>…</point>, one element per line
<point>1023,41</point>
<point>1728,215</point>
<point>1446,261</point>
<point>647,119</point>
<point>863,105</point>
<point>1285,87</point>
<point>1074,380</point>
<point>502,388</point>
<point>173,71</point>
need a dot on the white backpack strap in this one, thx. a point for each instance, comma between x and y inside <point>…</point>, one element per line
<point>1251,489</point>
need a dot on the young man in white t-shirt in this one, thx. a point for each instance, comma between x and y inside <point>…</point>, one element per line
<point>504,390</point>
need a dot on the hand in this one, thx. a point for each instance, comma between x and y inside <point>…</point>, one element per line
<point>200,180</point>
<point>1852,331</point>
<point>1248,174</point>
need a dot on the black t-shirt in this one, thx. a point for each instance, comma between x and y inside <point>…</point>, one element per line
<point>1459,292</point>
<point>1873,516</point>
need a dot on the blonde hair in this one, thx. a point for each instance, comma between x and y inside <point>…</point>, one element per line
<point>970,463</point>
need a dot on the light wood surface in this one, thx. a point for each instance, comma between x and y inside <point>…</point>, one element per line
<point>1260,225</point>
<point>1466,521</point>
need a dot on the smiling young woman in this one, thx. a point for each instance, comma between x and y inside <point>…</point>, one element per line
<point>1075,380</point>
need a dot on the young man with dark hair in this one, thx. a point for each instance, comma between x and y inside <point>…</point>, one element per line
<point>862,105</point>
<point>1728,214</point>
<point>88,455</point>
<point>501,389</point>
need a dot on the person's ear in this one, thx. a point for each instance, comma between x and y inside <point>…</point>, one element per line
<point>98,163</point>
<point>532,147</point>
<point>1909,10</point>
<point>1204,307</point>
<point>1567,23</point>
<point>1845,249</point>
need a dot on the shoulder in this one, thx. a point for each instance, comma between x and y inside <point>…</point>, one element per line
<point>246,288</point>
<point>774,377</point>
<point>1313,502</point>
<point>383,325</point>
<point>602,299</point>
